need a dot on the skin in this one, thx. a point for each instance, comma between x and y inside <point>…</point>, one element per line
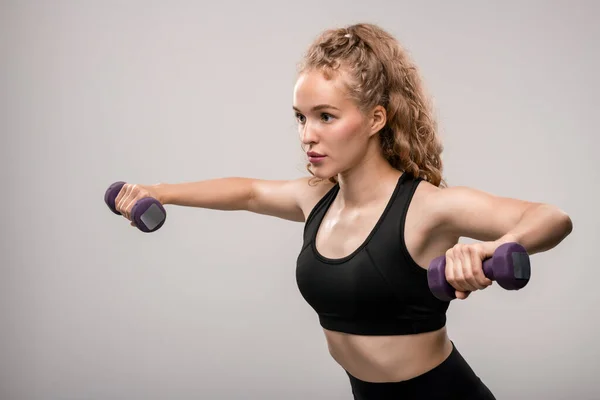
<point>436,220</point>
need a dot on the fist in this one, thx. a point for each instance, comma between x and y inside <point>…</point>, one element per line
<point>464,267</point>
<point>130,194</point>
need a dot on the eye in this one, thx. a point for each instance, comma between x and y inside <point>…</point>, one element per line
<point>326,117</point>
<point>300,118</point>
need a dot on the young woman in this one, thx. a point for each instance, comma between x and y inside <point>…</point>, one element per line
<point>376,212</point>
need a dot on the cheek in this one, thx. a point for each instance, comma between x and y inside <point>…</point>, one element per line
<point>347,131</point>
<point>351,137</point>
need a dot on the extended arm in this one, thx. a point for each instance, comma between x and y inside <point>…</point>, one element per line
<point>286,199</point>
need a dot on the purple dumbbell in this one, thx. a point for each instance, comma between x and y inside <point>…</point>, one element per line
<point>147,213</point>
<point>509,266</point>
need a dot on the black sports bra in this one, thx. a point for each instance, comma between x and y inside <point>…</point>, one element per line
<point>378,289</point>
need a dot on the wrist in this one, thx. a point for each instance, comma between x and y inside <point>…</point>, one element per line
<point>508,238</point>
<point>162,194</point>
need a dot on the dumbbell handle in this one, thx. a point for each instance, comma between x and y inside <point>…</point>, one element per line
<point>148,214</point>
<point>509,266</point>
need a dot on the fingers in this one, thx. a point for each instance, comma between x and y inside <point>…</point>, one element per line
<point>130,200</point>
<point>472,271</point>
<point>464,270</point>
<point>461,295</point>
<point>121,198</point>
<point>479,279</point>
<point>128,196</point>
<point>126,200</point>
<point>455,275</point>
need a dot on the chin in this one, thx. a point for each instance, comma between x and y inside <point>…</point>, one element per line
<point>323,173</point>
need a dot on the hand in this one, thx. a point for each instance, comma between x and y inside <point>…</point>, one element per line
<point>130,194</point>
<point>464,267</point>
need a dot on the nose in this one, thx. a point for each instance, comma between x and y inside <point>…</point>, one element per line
<point>308,134</point>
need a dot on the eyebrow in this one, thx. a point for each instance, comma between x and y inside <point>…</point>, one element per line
<point>319,107</point>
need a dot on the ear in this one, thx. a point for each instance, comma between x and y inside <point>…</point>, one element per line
<point>378,119</point>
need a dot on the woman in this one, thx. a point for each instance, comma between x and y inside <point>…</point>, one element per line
<point>376,212</point>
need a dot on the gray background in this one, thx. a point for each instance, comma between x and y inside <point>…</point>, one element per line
<point>207,307</point>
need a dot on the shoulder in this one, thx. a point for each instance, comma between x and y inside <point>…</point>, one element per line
<point>426,204</point>
<point>310,191</point>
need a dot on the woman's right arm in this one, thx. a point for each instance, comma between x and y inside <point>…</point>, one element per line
<point>287,199</point>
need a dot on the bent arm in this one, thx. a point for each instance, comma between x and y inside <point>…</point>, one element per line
<point>467,212</point>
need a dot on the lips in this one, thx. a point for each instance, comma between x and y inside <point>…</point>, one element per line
<point>314,157</point>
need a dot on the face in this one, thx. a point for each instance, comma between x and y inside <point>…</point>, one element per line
<point>333,130</point>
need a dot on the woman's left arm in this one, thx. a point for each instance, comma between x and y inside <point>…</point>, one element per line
<point>493,220</point>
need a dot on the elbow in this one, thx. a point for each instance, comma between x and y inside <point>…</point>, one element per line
<point>559,226</point>
<point>562,223</point>
<point>565,222</point>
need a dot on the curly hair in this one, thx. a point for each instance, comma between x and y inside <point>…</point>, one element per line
<point>381,73</point>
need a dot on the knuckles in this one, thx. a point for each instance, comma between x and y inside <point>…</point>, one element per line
<point>128,195</point>
<point>465,266</point>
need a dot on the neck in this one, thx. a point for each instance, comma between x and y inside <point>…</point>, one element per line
<point>366,182</point>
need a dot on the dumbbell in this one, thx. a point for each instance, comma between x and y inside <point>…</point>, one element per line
<point>147,213</point>
<point>509,266</point>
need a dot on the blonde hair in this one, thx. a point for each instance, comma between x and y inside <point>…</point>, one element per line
<point>381,73</point>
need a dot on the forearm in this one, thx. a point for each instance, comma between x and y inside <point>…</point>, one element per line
<point>219,194</point>
<point>541,228</point>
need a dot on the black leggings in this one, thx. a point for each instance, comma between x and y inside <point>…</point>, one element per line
<point>452,379</point>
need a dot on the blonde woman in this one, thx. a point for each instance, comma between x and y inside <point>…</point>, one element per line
<point>376,212</point>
